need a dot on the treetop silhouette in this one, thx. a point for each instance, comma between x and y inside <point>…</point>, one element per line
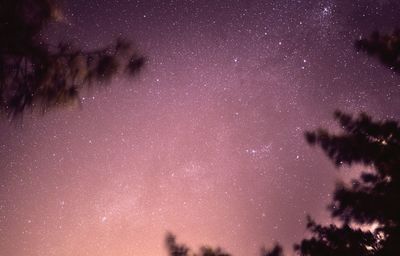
<point>275,251</point>
<point>386,47</point>
<point>34,73</point>
<point>370,201</point>
<point>175,249</point>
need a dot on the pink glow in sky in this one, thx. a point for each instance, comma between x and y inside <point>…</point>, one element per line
<point>206,143</point>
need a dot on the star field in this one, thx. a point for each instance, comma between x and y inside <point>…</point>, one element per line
<point>207,142</point>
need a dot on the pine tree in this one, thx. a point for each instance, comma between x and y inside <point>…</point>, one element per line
<point>34,73</point>
<point>367,207</point>
<point>384,47</point>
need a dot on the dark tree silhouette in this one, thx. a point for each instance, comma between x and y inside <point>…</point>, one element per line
<point>385,47</point>
<point>370,201</point>
<point>34,73</point>
<point>275,251</point>
<point>367,208</point>
<point>175,249</point>
<point>335,240</point>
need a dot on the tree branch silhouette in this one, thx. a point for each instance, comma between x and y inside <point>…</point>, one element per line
<point>385,47</point>
<point>35,74</point>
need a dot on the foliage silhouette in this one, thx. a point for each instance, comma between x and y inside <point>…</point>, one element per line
<point>337,240</point>
<point>34,73</point>
<point>175,249</point>
<point>385,47</point>
<point>370,201</point>
<point>275,251</point>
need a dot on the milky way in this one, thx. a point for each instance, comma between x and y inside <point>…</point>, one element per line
<point>207,142</point>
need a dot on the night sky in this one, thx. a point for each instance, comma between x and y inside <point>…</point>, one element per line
<point>207,142</point>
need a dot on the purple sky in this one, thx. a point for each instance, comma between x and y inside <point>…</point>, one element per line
<point>207,142</point>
